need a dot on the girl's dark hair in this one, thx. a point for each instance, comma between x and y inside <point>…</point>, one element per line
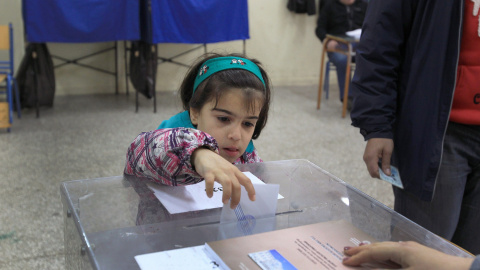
<point>213,87</point>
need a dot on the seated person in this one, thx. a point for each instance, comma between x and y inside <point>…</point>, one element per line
<point>337,17</point>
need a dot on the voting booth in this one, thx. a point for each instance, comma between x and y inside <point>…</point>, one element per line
<point>198,21</point>
<point>144,22</point>
<point>76,21</point>
<point>81,21</point>
<point>109,221</point>
<point>191,22</point>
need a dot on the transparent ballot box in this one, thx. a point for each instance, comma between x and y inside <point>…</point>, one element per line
<point>108,221</point>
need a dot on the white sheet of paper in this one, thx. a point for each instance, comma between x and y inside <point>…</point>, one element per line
<point>257,181</point>
<point>250,217</point>
<point>355,33</point>
<point>177,259</point>
<point>183,199</point>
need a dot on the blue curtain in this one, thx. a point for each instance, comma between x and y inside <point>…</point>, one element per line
<point>81,20</point>
<point>198,21</point>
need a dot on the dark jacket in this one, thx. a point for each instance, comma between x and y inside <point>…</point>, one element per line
<point>404,82</point>
<point>336,19</point>
<point>302,6</point>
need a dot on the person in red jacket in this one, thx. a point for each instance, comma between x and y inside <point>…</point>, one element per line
<point>416,101</point>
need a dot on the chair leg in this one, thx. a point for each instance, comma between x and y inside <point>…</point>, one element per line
<point>9,99</point>
<point>320,83</point>
<point>17,98</point>
<point>326,83</point>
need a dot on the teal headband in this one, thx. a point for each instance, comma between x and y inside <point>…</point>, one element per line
<point>215,65</point>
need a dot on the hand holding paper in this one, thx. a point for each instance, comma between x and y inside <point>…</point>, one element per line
<point>215,168</point>
<point>393,178</point>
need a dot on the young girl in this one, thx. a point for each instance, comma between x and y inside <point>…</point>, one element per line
<point>226,101</point>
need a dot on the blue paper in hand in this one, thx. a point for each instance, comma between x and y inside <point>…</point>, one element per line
<point>394,178</point>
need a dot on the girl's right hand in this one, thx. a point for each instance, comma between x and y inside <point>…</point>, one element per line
<point>212,167</point>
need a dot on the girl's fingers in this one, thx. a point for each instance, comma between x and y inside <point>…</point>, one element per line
<point>209,181</point>
<point>232,187</point>
<point>229,177</point>
<point>227,188</point>
<point>247,183</point>
<point>236,193</point>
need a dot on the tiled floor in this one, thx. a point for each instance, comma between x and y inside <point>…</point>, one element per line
<point>87,136</point>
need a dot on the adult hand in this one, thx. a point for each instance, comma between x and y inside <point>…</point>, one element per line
<point>378,148</point>
<point>405,255</point>
<point>213,167</point>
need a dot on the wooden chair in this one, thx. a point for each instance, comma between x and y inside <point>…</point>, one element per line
<point>6,75</point>
<point>328,67</point>
<point>349,52</point>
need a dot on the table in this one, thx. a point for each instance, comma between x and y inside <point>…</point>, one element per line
<point>108,221</point>
<point>348,41</point>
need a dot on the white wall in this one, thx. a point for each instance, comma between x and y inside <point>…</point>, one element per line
<point>283,41</point>
<point>10,12</point>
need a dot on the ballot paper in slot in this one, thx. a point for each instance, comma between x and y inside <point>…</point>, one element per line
<point>181,199</point>
<point>250,217</point>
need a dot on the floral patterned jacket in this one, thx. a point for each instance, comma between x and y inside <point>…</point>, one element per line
<point>163,155</point>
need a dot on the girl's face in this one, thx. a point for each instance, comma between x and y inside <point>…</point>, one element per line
<point>230,123</point>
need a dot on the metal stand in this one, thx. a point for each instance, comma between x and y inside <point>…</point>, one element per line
<point>76,62</point>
